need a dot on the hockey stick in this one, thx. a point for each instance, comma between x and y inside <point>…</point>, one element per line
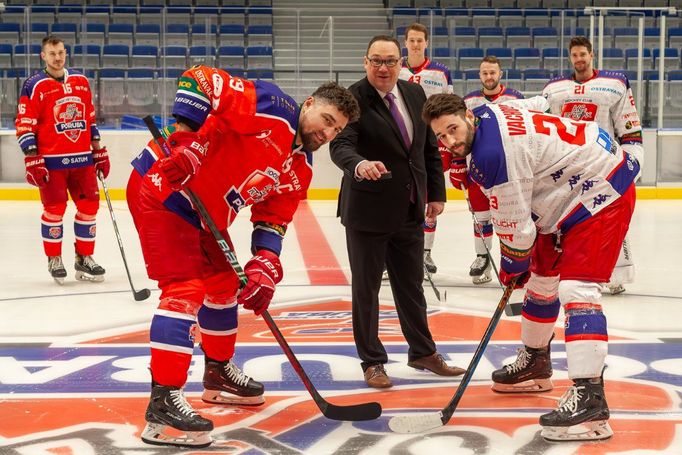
<point>433,286</point>
<point>417,423</point>
<point>513,309</point>
<point>357,412</point>
<point>142,294</point>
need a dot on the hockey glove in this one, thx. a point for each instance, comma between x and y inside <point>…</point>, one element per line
<point>521,278</point>
<point>187,151</point>
<point>263,271</point>
<point>101,159</point>
<point>458,173</point>
<point>36,172</point>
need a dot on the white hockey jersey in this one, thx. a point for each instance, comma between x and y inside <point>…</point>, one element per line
<point>478,98</point>
<point>543,173</point>
<point>605,98</point>
<point>434,77</point>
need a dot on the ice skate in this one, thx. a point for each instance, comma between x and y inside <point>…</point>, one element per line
<point>224,383</point>
<point>530,372</point>
<point>56,268</point>
<point>429,265</point>
<point>171,420</point>
<point>384,275</point>
<point>582,414</point>
<point>614,289</point>
<point>87,269</point>
<point>480,269</point>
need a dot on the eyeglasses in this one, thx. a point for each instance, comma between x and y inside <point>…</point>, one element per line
<point>389,62</point>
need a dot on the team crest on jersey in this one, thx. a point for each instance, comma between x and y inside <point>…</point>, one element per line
<point>580,111</point>
<point>69,117</point>
<point>253,189</point>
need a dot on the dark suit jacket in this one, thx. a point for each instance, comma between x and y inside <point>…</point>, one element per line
<point>382,205</point>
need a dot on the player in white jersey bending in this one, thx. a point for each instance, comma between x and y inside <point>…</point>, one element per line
<point>492,91</point>
<point>604,97</point>
<point>561,196</point>
<point>433,77</point>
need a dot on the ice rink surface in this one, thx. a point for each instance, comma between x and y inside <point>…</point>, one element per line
<point>73,358</point>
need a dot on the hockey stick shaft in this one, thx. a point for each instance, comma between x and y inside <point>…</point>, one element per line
<point>508,310</point>
<point>364,411</point>
<point>420,423</point>
<point>142,293</point>
<point>433,286</point>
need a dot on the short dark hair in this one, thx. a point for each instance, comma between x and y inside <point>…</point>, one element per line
<point>491,59</point>
<point>51,39</point>
<point>383,38</point>
<point>580,41</point>
<point>443,104</point>
<point>342,98</point>
<point>417,27</point>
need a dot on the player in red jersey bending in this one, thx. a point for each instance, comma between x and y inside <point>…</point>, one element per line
<point>236,143</point>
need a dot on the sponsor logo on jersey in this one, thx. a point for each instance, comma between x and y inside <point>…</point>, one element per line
<point>254,188</point>
<point>69,118</point>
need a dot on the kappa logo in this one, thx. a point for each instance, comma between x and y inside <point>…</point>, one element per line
<point>157,180</point>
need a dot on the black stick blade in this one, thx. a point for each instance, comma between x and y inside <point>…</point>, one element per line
<point>352,413</point>
<point>142,294</point>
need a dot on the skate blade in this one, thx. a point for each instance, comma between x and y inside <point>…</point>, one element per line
<point>165,435</point>
<point>82,276</point>
<point>482,279</point>
<point>588,431</point>
<point>222,397</point>
<point>58,280</point>
<point>530,386</point>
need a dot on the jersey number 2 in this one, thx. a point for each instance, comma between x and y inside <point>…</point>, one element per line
<point>541,121</point>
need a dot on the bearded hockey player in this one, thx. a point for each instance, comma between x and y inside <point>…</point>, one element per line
<point>57,132</point>
<point>236,143</point>
<point>561,196</point>
<point>604,97</point>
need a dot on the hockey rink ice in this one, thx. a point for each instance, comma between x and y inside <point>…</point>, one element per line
<point>73,358</point>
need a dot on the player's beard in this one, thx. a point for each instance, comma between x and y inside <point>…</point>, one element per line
<point>467,143</point>
<point>311,140</point>
<point>491,85</point>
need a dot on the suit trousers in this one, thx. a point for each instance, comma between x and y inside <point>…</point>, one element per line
<point>403,253</point>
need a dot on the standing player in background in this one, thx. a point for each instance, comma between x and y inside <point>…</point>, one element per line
<point>561,195</point>
<point>604,97</point>
<point>434,77</point>
<point>236,143</point>
<point>491,92</point>
<point>57,132</point>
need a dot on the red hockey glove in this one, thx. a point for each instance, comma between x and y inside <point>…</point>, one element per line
<point>445,157</point>
<point>187,151</point>
<point>521,278</point>
<point>36,172</point>
<point>101,159</point>
<point>263,271</point>
<point>458,173</point>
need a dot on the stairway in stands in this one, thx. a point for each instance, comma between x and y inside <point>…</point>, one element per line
<point>302,42</point>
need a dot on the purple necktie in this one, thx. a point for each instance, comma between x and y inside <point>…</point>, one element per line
<point>390,97</point>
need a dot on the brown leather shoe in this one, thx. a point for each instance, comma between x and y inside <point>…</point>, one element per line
<point>375,376</point>
<point>436,364</point>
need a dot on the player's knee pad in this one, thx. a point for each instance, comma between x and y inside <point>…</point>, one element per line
<point>571,291</point>
<point>184,297</point>
<point>543,286</point>
<point>87,208</point>
<point>222,287</point>
<point>54,212</point>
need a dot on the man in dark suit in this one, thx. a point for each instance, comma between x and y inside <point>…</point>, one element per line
<point>392,170</point>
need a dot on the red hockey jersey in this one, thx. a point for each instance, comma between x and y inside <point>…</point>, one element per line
<point>58,118</point>
<point>251,159</point>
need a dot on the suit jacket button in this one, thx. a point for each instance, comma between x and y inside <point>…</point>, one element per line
<point>408,186</point>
